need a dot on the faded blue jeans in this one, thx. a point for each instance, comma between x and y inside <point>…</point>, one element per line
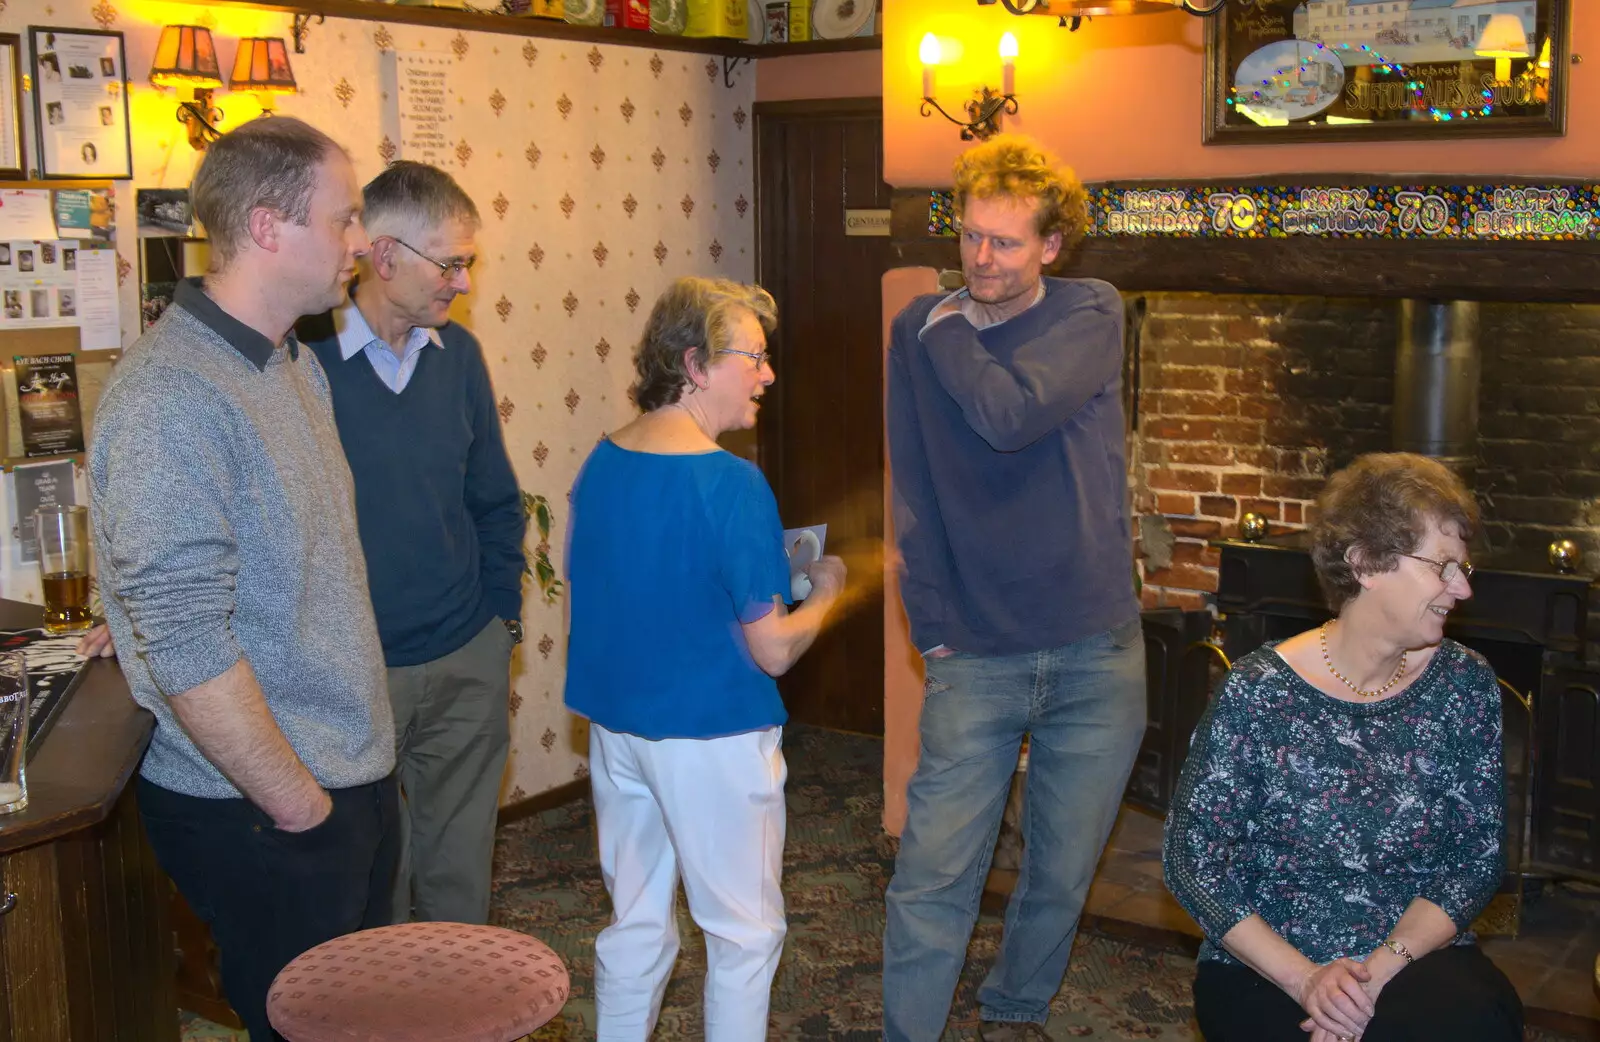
<point>1083,708</point>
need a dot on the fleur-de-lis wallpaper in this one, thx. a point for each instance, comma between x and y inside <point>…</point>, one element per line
<point>602,172</point>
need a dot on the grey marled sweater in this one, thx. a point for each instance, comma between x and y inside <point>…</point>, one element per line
<point>225,528</point>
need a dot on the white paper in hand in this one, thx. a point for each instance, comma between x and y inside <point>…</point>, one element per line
<point>803,545</point>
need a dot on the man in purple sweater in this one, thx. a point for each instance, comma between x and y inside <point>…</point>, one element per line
<point>1006,439</point>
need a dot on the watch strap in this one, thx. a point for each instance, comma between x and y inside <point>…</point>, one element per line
<point>1398,948</point>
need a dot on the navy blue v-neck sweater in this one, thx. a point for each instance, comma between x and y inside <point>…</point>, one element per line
<point>437,503</point>
<point>1010,487</point>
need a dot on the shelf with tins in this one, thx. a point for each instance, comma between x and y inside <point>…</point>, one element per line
<point>522,25</point>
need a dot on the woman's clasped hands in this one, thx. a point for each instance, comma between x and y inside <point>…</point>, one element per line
<point>1337,997</point>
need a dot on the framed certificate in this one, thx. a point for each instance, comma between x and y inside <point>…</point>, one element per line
<point>80,103</point>
<point>13,155</point>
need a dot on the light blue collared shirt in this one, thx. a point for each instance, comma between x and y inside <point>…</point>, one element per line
<point>356,336</point>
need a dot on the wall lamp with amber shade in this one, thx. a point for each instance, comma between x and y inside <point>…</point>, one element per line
<point>983,111</point>
<point>187,59</point>
<point>262,67</point>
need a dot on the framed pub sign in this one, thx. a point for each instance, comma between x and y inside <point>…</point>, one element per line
<point>1338,70</point>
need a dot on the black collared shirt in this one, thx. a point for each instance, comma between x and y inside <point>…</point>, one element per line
<point>192,297</point>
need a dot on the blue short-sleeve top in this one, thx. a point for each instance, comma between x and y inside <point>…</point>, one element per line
<point>668,556</point>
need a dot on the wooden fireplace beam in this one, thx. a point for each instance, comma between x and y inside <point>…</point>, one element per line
<point>1546,272</point>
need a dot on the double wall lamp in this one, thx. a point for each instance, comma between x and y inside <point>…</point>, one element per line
<point>186,58</point>
<point>984,110</point>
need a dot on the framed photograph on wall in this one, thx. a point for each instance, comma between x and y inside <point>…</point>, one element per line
<point>1352,70</point>
<point>80,103</point>
<point>13,151</point>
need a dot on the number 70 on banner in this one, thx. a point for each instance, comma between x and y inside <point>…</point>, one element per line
<point>1427,214</point>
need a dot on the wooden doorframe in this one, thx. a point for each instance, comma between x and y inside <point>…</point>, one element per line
<point>767,447</point>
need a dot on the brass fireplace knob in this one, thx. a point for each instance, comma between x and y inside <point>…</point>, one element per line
<point>1565,556</point>
<point>1252,527</point>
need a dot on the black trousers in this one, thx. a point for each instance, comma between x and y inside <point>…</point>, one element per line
<point>269,895</point>
<point>1454,993</point>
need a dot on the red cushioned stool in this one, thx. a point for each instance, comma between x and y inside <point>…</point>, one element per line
<point>440,982</point>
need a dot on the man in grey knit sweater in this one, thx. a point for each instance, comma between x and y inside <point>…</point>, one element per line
<point>233,579</point>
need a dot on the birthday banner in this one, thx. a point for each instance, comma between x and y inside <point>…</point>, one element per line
<point>1481,212</point>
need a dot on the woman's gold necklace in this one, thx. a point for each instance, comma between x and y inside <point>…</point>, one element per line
<point>1398,673</point>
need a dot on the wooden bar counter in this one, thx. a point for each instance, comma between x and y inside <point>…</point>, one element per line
<point>86,947</point>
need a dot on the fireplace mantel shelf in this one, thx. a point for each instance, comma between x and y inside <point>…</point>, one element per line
<point>1551,272</point>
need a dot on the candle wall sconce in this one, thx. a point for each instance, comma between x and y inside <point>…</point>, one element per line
<point>984,110</point>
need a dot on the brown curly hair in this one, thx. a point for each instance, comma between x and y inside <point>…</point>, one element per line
<point>693,313</point>
<point>1378,508</point>
<point>1014,165</point>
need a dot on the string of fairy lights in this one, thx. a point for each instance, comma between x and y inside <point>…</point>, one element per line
<point>1379,62</point>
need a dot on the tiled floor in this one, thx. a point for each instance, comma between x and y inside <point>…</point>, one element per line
<point>1551,960</point>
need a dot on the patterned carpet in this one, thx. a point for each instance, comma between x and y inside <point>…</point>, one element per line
<point>837,863</point>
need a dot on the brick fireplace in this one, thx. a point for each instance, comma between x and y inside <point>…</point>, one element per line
<point>1247,402</point>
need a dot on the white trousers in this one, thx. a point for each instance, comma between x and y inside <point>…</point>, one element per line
<point>712,811</point>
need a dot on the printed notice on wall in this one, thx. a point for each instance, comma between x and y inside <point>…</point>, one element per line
<point>99,328</point>
<point>418,112</point>
<point>47,403</point>
<point>36,486</point>
<point>58,282</point>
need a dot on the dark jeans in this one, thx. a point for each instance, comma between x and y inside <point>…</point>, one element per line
<point>269,895</point>
<point>1454,993</point>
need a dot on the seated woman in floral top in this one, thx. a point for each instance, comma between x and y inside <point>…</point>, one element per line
<point>1338,823</point>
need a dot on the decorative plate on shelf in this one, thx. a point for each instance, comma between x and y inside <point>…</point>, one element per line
<point>669,17</point>
<point>755,18</point>
<point>586,12</point>
<point>841,19</point>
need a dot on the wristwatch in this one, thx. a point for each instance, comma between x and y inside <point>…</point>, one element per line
<point>514,628</point>
<point>1398,948</point>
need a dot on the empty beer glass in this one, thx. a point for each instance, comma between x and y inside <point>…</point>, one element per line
<point>64,567</point>
<point>14,709</point>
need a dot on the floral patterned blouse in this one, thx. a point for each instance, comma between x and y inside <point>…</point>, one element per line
<point>1327,818</point>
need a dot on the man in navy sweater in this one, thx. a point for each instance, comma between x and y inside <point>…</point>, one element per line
<point>441,522</point>
<point>1010,506</point>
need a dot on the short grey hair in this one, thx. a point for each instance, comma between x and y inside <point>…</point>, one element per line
<point>410,199</point>
<point>1377,510</point>
<point>696,313</point>
<point>266,163</point>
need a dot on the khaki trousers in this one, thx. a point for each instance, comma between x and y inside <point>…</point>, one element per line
<point>452,733</point>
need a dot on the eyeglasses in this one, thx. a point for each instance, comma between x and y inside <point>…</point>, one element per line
<point>1448,570</point>
<point>759,359</point>
<point>449,269</point>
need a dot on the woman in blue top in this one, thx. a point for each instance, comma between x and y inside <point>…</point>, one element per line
<point>678,581</point>
<point>1338,823</point>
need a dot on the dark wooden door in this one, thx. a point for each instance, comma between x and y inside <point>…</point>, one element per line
<point>821,430</point>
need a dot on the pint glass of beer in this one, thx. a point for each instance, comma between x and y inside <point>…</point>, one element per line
<point>64,567</point>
